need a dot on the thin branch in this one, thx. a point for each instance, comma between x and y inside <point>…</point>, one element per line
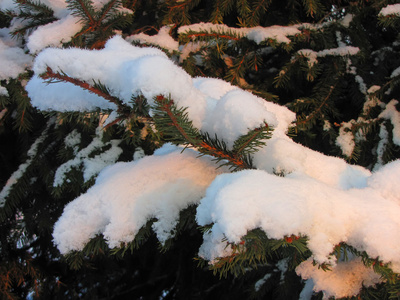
<point>319,108</point>
<point>51,75</point>
<point>201,146</point>
<point>215,35</point>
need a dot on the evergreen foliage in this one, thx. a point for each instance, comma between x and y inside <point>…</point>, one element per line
<point>336,95</point>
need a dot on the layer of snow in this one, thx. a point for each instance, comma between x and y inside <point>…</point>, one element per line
<point>13,61</point>
<point>126,195</point>
<point>321,197</point>
<point>345,22</point>
<point>364,217</point>
<point>257,34</point>
<point>54,34</point>
<point>344,280</point>
<point>312,55</point>
<point>162,39</point>
<point>128,70</point>
<point>3,91</point>
<point>393,9</point>
<point>91,166</point>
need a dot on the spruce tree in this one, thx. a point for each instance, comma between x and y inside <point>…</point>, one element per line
<point>196,149</point>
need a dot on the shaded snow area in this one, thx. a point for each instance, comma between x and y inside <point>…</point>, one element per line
<point>13,60</point>
<point>321,197</point>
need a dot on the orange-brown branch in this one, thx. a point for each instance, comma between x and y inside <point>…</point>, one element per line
<point>216,35</point>
<point>195,143</point>
<point>50,74</point>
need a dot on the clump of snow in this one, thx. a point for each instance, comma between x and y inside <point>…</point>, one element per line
<point>307,291</point>
<point>380,149</point>
<point>348,18</point>
<point>365,218</point>
<point>393,115</point>
<point>72,140</point>
<point>3,91</point>
<point>13,61</point>
<point>188,48</point>
<point>91,165</point>
<point>345,139</point>
<point>162,39</point>
<point>258,34</point>
<point>126,195</point>
<point>373,89</point>
<point>127,70</point>
<point>312,55</point>
<point>54,34</point>
<point>393,9</point>
<point>344,280</point>
<point>396,72</point>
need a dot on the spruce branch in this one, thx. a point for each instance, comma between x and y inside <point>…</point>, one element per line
<point>97,89</point>
<point>254,139</point>
<point>301,122</point>
<point>176,127</point>
<point>208,36</point>
<point>83,9</point>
